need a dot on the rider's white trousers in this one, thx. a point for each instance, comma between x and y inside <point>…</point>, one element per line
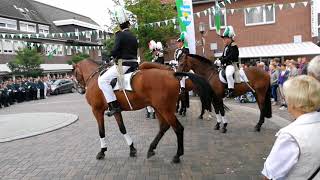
<point>229,75</point>
<point>183,82</point>
<point>105,80</point>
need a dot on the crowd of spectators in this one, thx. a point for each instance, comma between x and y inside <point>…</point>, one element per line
<point>26,89</point>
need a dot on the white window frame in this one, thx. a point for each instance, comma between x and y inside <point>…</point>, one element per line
<point>212,26</point>
<point>87,51</point>
<point>1,51</point>
<point>9,51</point>
<point>79,49</point>
<point>60,50</point>
<point>99,53</point>
<point>43,28</point>
<point>88,36</point>
<point>69,51</point>
<point>17,45</point>
<point>7,21</point>
<point>28,24</point>
<point>263,7</point>
<point>77,33</point>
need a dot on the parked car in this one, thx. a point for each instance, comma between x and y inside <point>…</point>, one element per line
<point>62,86</point>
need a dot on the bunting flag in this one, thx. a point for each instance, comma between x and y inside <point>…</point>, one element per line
<point>217,20</point>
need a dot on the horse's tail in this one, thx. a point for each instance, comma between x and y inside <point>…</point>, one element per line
<point>267,109</point>
<point>204,89</point>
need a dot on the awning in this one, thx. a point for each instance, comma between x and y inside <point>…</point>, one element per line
<point>4,69</point>
<point>278,50</point>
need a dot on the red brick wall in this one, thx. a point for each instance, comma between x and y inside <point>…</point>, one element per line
<point>288,23</point>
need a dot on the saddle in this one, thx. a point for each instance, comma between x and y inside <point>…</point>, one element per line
<point>239,76</point>
<point>128,76</point>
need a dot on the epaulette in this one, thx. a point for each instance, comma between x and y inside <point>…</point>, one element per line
<point>233,44</point>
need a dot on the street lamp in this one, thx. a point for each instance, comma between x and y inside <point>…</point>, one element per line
<point>202,29</point>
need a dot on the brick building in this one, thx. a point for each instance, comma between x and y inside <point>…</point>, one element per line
<point>25,23</point>
<point>264,28</point>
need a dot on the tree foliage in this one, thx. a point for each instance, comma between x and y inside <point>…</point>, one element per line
<point>150,11</point>
<point>27,63</point>
<point>78,57</point>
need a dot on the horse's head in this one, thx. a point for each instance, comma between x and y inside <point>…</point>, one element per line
<point>185,63</point>
<point>79,79</point>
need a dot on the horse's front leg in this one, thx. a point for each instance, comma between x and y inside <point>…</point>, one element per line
<point>122,128</point>
<point>202,112</point>
<point>99,115</point>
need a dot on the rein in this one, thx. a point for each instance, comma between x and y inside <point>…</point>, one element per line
<point>93,74</point>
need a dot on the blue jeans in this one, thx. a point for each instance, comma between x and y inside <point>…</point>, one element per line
<point>274,92</point>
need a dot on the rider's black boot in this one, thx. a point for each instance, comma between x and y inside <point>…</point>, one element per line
<point>148,114</point>
<point>114,108</point>
<point>217,127</point>
<point>153,115</point>
<point>231,93</point>
<point>224,128</point>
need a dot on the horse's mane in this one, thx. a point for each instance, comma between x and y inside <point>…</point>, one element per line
<point>200,58</point>
<point>204,60</point>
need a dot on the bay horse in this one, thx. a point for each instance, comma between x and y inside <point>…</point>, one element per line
<point>151,87</point>
<point>259,80</point>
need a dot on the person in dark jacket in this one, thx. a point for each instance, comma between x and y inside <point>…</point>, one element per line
<point>125,49</point>
<point>229,57</point>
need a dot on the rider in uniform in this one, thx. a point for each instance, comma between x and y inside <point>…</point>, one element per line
<point>157,51</point>
<point>229,57</point>
<point>125,49</point>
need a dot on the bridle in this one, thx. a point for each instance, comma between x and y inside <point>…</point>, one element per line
<point>83,87</point>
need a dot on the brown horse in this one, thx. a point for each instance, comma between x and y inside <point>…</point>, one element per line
<point>152,87</point>
<point>259,80</point>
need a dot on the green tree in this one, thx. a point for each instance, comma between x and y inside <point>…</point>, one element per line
<point>149,11</point>
<point>27,63</point>
<point>78,57</point>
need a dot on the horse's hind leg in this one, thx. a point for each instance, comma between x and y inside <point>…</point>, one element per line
<point>202,112</point>
<point>99,115</point>
<point>178,129</point>
<point>122,128</point>
<point>164,126</point>
<point>260,100</point>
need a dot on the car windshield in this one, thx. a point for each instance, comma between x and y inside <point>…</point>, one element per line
<point>57,82</point>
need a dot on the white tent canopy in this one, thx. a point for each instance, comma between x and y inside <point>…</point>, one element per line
<point>278,50</point>
<point>4,69</point>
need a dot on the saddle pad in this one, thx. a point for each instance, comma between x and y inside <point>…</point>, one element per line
<point>243,77</point>
<point>127,82</point>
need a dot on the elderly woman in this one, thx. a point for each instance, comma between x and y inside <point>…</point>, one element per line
<point>295,154</point>
<point>314,68</point>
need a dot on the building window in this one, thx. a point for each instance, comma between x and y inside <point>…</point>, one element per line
<point>17,45</point>
<point>88,36</point>
<point>79,49</point>
<point>43,29</point>
<point>99,52</point>
<point>7,46</point>
<point>76,30</point>
<point>223,19</point>
<point>60,51</point>
<point>87,51</point>
<point>69,51</point>
<point>8,23</point>
<point>264,14</point>
<point>28,27</point>
<point>0,47</point>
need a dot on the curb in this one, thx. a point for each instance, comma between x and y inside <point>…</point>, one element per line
<point>69,119</point>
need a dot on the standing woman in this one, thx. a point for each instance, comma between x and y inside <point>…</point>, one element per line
<point>295,154</point>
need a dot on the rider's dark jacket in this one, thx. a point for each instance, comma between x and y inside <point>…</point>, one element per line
<point>230,54</point>
<point>126,46</point>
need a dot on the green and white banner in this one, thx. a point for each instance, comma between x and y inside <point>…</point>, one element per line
<point>185,18</point>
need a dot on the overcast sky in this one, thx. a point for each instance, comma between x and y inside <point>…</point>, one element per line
<point>95,9</point>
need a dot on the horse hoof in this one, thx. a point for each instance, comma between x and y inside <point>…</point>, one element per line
<point>133,153</point>
<point>100,156</point>
<point>150,154</point>
<point>176,160</point>
<point>200,117</point>
<point>257,128</point>
<point>224,131</point>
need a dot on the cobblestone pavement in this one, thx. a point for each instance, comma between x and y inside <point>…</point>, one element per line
<point>69,153</point>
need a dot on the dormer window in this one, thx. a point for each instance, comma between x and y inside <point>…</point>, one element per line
<point>27,27</point>
<point>8,23</point>
<point>43,29</point>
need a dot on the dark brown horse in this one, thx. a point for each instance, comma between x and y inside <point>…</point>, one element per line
<point>259,80</point>
<point>152,87</point>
